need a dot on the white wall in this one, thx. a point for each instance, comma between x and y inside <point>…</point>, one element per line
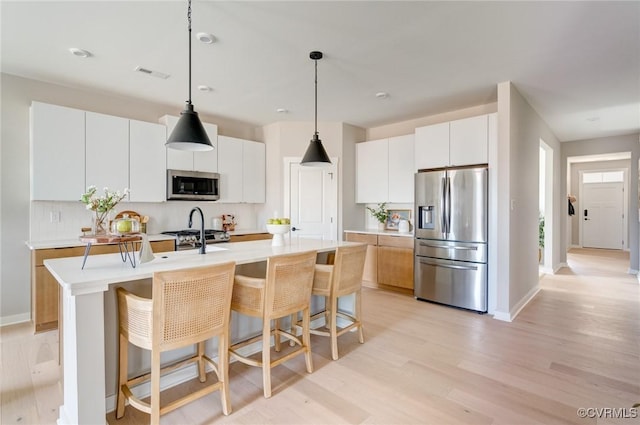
<point>520,129</point>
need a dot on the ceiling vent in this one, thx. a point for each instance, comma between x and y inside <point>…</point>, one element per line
<point>151,72</point>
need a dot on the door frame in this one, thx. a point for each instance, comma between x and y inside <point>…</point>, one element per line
<point>625,203</point>
<point>287,161</point>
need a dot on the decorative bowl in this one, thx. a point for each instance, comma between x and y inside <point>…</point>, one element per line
<point>278,231</point>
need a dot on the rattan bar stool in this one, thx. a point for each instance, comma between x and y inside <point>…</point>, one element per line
<point>342,278</point>
<point>187,307</point>
<point>285,290</point>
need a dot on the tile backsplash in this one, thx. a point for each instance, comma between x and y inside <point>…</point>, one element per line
<point>63,220</point>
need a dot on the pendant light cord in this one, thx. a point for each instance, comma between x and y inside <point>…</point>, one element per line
<point>189,20</point>
<point>316,95</point>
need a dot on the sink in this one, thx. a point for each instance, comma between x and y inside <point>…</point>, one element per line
<point>214,248</point>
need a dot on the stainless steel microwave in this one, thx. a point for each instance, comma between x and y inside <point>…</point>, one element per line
<point>185,185</point>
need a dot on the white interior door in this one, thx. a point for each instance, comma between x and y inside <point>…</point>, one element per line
<point>602,215</point>
<point>311,199</point>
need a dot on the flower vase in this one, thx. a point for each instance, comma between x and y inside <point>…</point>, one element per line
<point>100,224</point>
<point>380,226</point>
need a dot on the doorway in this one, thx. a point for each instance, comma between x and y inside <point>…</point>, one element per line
<point>602,213</point>
<point>545,224</point>
<point>311,199</point>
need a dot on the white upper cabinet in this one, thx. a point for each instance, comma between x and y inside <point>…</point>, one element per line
<point>147,155</point>
<point>460,142</point>
<point>192,161</point>
<point>432,146</point>
<point>242,170</point>
<point>468,141</point>
<point>107,151</point>
<point>254,172</point>
<point>401,171</point>
<point>372,171</point>
<point>57,153</point>
<point>384,170</point>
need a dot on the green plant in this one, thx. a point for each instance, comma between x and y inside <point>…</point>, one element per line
<point>380,212</point>
<point>541,231</point>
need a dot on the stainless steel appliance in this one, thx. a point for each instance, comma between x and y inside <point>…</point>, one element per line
<point>190,238</point>
<point>451,237</point>
<point>192,185</point>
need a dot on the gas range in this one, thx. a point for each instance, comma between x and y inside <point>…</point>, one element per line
<point>190,238</point>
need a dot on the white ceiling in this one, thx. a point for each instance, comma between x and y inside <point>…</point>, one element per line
<point>577,63</point>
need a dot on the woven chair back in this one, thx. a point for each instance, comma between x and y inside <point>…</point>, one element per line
<point>190,305</point>
<point>289,280</point>
<point>348,269</point>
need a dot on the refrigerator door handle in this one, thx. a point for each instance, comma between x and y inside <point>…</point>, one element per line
<point>443,208</point>
<point>449,266</point>
<point>448,201</point>
<point>465,248</point>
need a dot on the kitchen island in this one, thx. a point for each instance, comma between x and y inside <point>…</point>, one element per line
<point>85,323</point>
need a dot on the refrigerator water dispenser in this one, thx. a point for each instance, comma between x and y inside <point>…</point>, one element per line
<point>425,217</point>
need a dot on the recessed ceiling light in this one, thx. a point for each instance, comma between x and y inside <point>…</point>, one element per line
<point>282,110</point>
<point>81,53</point>
<point>205,37</point>
<point>382,95</point>
<point>593,119</point>
<point>151,72</point>
<point>204,88</point>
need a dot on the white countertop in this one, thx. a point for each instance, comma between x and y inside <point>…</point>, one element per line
<point>381,232</point>
<point>70,243</point>
<point>102,270</point>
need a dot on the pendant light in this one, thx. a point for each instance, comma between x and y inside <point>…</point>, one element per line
<point>189,133</point>
<point>316,156</point>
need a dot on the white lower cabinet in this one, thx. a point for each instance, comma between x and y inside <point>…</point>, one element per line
<point>241,165</point>
<point>57,153</point>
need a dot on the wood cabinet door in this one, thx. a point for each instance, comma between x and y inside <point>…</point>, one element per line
<point>432,146</point>
<point>468,141</point>
<point>45,307</point>
<point>57,153</point>
<point>372,171</point>
<point>395,266</point>
<point>370,273</point>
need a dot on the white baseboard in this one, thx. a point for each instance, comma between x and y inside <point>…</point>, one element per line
<point>632,271</point>
<point>559,266</point>
<point>508,317</point>
<point>15,319</point>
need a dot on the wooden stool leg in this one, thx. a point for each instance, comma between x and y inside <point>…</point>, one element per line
<point>333,329</point>
<point>359,315</point>
<point>306,338</point>
<point>223,373</point>
<point>122,374</point>
<point>266,358</point>
<point>201,372</point>
<point>276,335</point>
<point>155,386</point>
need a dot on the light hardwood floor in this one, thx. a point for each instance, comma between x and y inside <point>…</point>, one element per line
<point>577,344</point>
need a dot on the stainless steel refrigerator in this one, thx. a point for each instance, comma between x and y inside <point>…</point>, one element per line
<point>451,237</point>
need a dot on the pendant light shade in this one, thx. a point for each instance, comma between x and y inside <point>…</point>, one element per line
<point>189,133</point>
<point>316,156</point>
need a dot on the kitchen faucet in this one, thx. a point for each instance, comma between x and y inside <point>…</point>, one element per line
<point>203,247</point>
